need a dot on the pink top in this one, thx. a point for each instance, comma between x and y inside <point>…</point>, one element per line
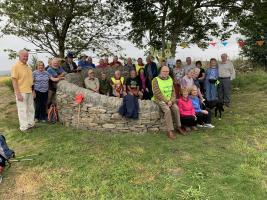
<point>186,107</point>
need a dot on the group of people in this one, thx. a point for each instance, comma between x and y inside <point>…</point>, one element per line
<point>181,91</point>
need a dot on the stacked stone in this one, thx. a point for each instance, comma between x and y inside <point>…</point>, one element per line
<point>100,112</point>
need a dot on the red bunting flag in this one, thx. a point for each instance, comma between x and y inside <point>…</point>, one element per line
<point>213,43</point>
<point>79,98</point>
<point>241,43</point>
<point>260,42</point>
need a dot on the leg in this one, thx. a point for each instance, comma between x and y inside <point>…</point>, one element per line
<point>167,115</point>
<point>22,113</point>
<point>37,100</point>
<point>30,109</point>
<point>188,121</point>
<point>176,115</point>
<point>227,91</point>
<point>43,106</point>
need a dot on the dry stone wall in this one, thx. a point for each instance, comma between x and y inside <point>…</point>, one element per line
<point>100,112</point>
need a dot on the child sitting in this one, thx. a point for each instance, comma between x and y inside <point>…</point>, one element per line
<point>203,116</point>
<point>187,111</point>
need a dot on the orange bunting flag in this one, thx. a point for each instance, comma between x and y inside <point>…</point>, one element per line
<point>260,42</point>
<point>241,43</point>
<point>213,43</point>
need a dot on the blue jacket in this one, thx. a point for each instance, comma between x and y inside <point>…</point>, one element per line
<point>196,103</point>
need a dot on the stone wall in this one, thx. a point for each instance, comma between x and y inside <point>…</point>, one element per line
<point>100,112</point>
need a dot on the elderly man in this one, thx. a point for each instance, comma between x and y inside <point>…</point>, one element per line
<point>69,65</point>
<point>188,65</point>
<point>22,81</point>
<point>116,62</point>
<point>91,82</point>
<point>165,97</point>
<point>55,71</point>
<point>226,75</point>
<point>118,85</point>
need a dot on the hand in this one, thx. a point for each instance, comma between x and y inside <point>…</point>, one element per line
<point>205,112</point>
<point>33,94</point>
<point>61,78</point>
<point>169,103</point>
<point>19,96</point>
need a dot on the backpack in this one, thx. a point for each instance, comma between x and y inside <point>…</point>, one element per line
<point>5,152</point>
<point>52,114</point>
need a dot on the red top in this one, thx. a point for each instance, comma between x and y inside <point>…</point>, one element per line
<point>186,107</point>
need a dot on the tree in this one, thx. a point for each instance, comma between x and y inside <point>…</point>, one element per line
<point>154,22</point>
<point>253,25</point>
<point>55,26</point>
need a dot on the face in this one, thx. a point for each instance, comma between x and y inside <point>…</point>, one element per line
<point>55,63</point>
<point>23,57</point>
<point>148,59</point>
<point>90,74</point>
<point>190,73</point>
<point>139,61</point>
<point>224,57</point>
<point>164,72</point>
<point>118,75</point>
<point>103,76</point>
<point>188,60</point>
<point>101,61</point>
<point>70,59</point>
<point>178,64</point>
<point>129,60</point>
<point>213,63</point>
<point>198,65</point>
<point>40,67</point>
<point>194,91</point>
<point>84,58</point>
<point>185,94</point>
<point>133,74</point>
<point>115,59</point>
<point>90,60</point>
<point>106,60</point>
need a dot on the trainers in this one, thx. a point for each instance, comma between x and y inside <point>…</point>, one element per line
<point>208,126</point>
<point>193,128</point>
<point>199,126</point>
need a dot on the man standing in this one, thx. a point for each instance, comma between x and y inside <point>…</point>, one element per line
<point>188,65</point>
<point>22,81</point>
<point>165,97</point>
<point>226,75</point>
<point>69,65</point>
<point>151,72</point>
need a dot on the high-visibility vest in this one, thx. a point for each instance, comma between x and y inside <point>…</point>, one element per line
<point>116,82</point>
<point>165,87</point>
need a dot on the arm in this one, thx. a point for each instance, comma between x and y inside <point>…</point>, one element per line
<point>97,86</point>
<point>16,89</point>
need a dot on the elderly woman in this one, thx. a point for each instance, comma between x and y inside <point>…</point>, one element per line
<point>41,85</point>
<point>178,74</point>
<point>91,82</point>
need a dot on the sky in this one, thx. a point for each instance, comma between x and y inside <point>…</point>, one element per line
<point>232,49</point>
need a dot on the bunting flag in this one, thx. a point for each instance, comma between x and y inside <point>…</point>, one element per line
<point>260,42</point>
<point>213,43</point>
<point>241,43</point>
<point>184,45</point>
<point>224,43</point>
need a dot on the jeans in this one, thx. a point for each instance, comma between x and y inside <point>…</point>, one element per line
<point>41,105</point>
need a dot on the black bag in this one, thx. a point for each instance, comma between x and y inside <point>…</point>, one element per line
<point>5,152</point>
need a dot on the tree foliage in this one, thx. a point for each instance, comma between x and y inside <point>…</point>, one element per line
<point>253,25</point>
<point>59,25</point>
<point>154,22</point>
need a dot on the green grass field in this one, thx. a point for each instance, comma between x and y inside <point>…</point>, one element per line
<point>227,163</point>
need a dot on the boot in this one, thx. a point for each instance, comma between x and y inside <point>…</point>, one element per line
<point>180,131</point>
<point>170,135</point>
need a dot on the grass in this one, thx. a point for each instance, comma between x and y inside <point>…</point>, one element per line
<point>228,162</point>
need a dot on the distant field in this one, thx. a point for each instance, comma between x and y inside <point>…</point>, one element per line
<point>4,73</point>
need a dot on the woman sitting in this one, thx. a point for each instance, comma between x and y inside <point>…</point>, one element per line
<point>187,81</point>
<point>203,116</point>
<point>133,84</point>
<point>187,111</point>
<point>91,82</point>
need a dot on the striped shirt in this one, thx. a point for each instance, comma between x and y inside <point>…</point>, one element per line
<point>41,80</point>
